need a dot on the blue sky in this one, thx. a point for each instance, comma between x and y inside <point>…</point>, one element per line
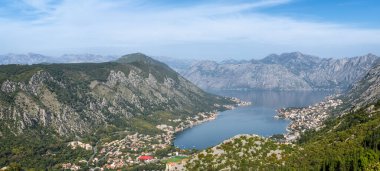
<point>215,29</point>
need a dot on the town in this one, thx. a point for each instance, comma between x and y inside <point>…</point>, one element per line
<point>310,117</point>
<point>139,149</point>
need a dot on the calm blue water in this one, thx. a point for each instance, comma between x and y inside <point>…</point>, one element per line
<point>254,119</point>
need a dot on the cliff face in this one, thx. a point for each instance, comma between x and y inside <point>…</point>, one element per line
<point>366,91</point>
<point>288,71</point>
<point>211,75</point>
<point>76,99</point>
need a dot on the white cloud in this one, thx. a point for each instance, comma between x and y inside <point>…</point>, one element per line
<point>213,30</point>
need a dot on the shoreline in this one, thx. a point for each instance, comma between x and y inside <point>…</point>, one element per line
<point>140,144</point>
<point>208,116</point>
<point>306,118</point>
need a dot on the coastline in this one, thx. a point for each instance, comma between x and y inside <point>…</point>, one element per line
<point>306,118</point>
<point>135,144</point>
<point>207,116</point>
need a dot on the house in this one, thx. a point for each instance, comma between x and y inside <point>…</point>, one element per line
<point>145,158</point>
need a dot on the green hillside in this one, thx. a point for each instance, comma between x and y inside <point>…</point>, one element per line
<point>44,106</point>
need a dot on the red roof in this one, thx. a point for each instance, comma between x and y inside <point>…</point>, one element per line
<point>145,157</point>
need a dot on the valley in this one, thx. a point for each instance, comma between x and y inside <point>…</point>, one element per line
<point>163,85</point>
<point>137,113</point>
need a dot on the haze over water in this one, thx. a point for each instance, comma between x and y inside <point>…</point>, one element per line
<point>255,119</point>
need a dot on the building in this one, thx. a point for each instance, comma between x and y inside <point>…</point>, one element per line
<point>145,158</point>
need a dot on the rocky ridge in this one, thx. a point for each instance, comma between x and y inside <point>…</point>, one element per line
<point>72,98</point>
<point>288,71</point>
<point>365,91</point>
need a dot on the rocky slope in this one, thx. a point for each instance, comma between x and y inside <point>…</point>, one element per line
<point>364,92</point>
<point>76,99</point>
<point>288,71</point>
<point>242,152</point>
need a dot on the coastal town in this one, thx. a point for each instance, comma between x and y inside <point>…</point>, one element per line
<point>139,149</point>
<point>310,117</point>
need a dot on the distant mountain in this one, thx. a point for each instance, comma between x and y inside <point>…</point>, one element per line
<point>288,71</point>
<point>212,75</point>
<point>84,58</point>
<point>33,58</point>
<point>30,58</point>
<point>296,62</point>
<point>178,65</point>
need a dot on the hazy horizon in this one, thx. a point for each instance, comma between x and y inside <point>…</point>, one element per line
<point>158,57</point>
<point>214,29</point>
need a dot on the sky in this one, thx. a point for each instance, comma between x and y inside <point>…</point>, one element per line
<point>191,29</point>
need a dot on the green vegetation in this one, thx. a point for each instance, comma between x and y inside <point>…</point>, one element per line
<point>175,159</point>
<point>141,125</point>
<point>38,151</point>
<point>40,113</point>
<point>153,166</point>
<point>349,142</point>
<point>243,153</point>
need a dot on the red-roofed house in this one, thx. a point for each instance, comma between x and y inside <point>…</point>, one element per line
<point>145,158</point>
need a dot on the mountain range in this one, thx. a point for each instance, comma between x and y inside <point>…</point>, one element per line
<point>34,58</point>
<point>178,65</point>
<point>288,71</point>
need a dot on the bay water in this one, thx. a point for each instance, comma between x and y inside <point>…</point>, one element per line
<point>257,118</point>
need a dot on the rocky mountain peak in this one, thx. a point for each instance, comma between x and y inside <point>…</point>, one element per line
<point>310,72</point>
<point>291,57</point>
<point>371,55</point>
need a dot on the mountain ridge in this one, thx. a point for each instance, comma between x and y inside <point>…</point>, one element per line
<point>311,72</point>
<point>123,89</point>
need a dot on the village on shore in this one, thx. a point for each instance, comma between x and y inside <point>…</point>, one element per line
<point>311,117</point>
<point>139,149</point>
